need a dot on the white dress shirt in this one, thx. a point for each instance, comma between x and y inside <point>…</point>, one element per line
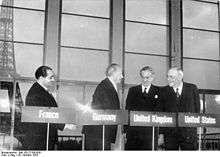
<point>113,83</point>
<point>143,88</point>
<point>180,88</point>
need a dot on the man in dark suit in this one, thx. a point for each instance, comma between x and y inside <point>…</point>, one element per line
<point>179,96</point>
<point>144,97</point>
<point>104,97</point>
<point>38,95</point>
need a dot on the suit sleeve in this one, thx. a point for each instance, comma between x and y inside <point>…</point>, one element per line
<point>100,98</point>
<point>196,99</point>
<point>129,100</point>
<point>34,100</point>
<point>161,106</point>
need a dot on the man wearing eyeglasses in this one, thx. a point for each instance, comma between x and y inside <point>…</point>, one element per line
<point>179,96</point>
<point>144,97</point>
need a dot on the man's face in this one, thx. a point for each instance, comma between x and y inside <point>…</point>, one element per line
<point>118,75</point>
<point>49,80</point>
<point>173,78</point>
<point>146,78</point>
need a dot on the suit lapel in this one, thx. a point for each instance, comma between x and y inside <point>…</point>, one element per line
<point>183,94</point>
<point>151,90</point>
<point>139,89</point>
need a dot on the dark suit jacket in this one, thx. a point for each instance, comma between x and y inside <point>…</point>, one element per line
<point>137,101</point>
<point>37,132</point>
<point>189,102</point>
<point>104,97</point>
<point>189,99</point>
<point>141,137</point>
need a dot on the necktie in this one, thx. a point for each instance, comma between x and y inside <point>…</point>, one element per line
<point>145,90</point>
<point>177,93</point>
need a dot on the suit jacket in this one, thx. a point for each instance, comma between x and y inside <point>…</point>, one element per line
<point>138,101</point>
<point>38,96</point>
<point>104,97</point>
<point>188,102</point>
<point>189,99</point>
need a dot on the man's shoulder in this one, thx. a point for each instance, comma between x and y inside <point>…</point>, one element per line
<point>167,87</point>
<point>189,85</point>
<point>156,87</point>
<point>134,88</point>
<point>103,83</point>
<point>35,89</point>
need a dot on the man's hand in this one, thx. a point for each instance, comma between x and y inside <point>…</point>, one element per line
<point>70,126</point>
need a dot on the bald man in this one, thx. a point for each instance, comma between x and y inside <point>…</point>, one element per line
<point>180,96</point>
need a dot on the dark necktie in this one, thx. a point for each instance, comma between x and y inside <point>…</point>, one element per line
<point>145,92</point>
<point>177,93</point>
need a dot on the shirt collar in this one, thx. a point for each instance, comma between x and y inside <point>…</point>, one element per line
<point>143,87</point>
<point>113,83</point>
<point>180,88</point>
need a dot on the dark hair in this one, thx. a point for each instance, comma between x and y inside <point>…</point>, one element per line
<point>42,71</point>
<point>147,68</point>
<point>111,68</point>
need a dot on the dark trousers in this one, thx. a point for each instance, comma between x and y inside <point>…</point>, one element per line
<point>139,138</point>
<point>92,143</point>
<point>33,142</point>
<point>181,139</point>
<point>94,137</point>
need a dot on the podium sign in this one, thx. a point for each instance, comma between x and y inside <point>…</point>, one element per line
<point>139,118</point>
<point>103,117</point>
<point>47,115</point>
<point>198,120</point>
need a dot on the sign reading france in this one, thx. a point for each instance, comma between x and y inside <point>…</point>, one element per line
<point>139,118</point>
<point>48,115</point>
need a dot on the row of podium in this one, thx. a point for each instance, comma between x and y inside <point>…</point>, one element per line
<point>118,117</point>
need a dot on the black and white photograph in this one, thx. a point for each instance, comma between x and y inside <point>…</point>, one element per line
<point>109,76</point>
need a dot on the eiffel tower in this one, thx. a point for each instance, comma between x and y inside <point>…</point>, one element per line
<point>8,73</point>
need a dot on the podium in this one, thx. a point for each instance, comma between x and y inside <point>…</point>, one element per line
<point>163,119</point>
<point>154,119</point>
<point>117,117</point>
<point>66,115</point>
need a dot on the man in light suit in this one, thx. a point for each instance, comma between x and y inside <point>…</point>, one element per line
<point>38,95</point>
<point>179,96</point>
<point>144,97</point>
<point>104,97</point>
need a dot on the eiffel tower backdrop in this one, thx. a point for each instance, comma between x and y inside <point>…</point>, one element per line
<point>9,121</point>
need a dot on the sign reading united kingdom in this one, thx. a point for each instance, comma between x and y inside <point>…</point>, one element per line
<point>103,117</point>
<point>198,120</point>
<point>139,118</point>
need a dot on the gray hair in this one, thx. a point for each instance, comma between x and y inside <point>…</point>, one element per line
<point>179,70</point>
<point>111,69</point>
